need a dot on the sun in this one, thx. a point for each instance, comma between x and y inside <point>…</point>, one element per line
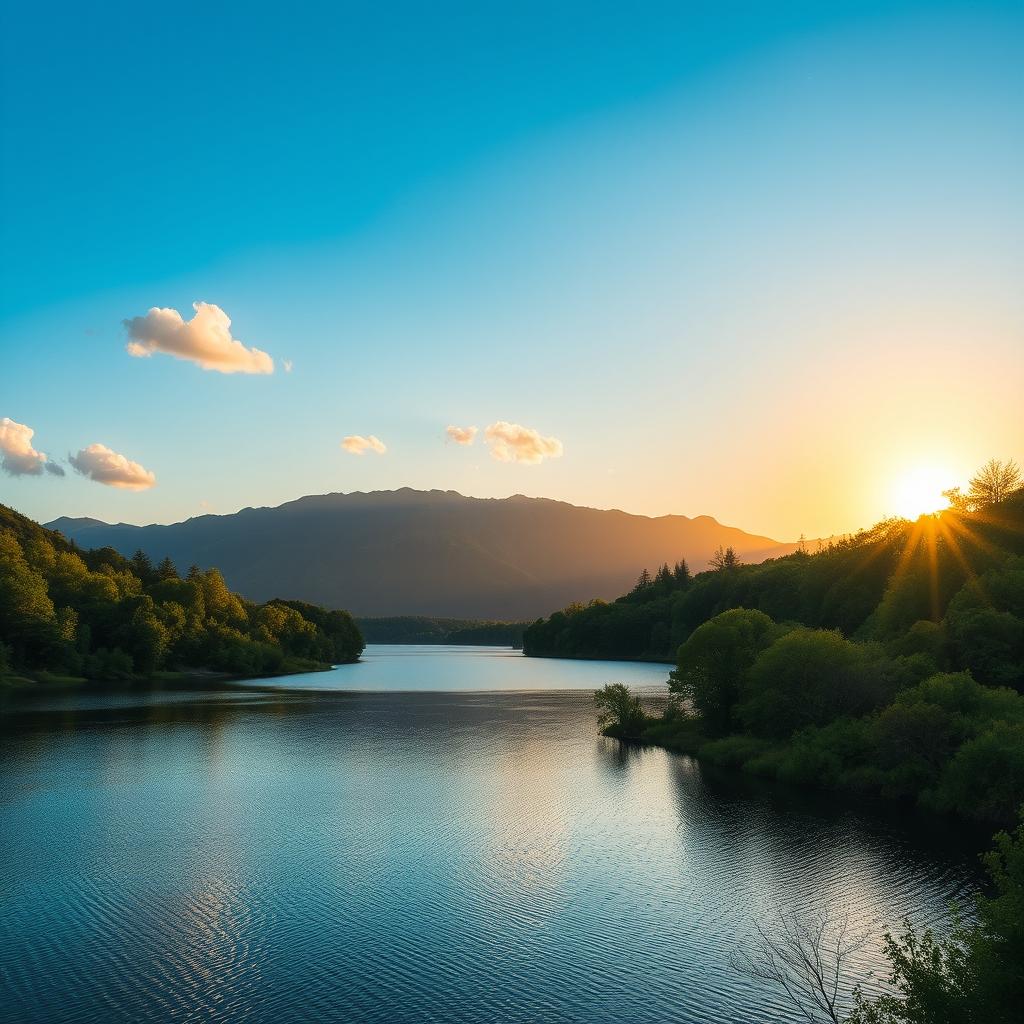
<point>918,491</point>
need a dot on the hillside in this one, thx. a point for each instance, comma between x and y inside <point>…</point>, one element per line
<point>890,666</point>
<point>97,615</point>
<point>874,585</point>
<point>434,553</point>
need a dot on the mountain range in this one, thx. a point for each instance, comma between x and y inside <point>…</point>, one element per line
<point>409,552</point>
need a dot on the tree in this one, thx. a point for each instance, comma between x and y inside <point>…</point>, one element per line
<point>142,567</point>
<point>643,582</point>
<point>26,611</point>
<point>809,677</point>
<point>681,572</point>
<point>993,483</point>
<point>167,570</point>
<point>807,958</point>
<point>724,558</point>
<point>714,661</point>
<point>621,712</point>
<point>663,579</point>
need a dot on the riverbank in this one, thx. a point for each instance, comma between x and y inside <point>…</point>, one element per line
<point>639,659</point>
<point>158,680</point>
<point>861,759</point>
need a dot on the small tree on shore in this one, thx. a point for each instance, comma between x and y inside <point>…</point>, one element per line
<point>621,712</point>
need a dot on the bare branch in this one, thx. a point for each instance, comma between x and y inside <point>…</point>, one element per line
<point>805,958</point>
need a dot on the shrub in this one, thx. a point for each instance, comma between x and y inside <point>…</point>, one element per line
<point>809,677</point>
<point>985,778</point>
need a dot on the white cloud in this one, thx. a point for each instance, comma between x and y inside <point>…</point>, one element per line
<point>204,340</point>
<point>287,364</point>
<point>461,435</point>
<point>17,456</point>
<point>512,442</point>
<point>104,466</point>
<point>356,444</point>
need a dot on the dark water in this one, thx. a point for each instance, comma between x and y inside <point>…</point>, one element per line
<point>392,857</point>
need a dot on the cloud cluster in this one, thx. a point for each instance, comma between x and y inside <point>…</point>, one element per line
<point>356,444</point>
<point>100,463</point>
<point>461,435</point>
<point>204,340</point>
<point>17,456</point>
<point>512,442</point>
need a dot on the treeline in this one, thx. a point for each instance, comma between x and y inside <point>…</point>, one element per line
<point>878,584</point>
<point>425,629</point>
<point>892,664</point>
<point>98,615</point>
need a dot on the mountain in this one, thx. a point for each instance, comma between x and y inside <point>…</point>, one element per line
<point>438,553</point>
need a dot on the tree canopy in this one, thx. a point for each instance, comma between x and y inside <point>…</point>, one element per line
<point>98,615</point>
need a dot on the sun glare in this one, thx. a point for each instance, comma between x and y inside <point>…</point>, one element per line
<point>919,491</point>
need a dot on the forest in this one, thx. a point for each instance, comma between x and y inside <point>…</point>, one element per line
<point>426,629</point>
<point>71,614</point>
<point>890,664</point>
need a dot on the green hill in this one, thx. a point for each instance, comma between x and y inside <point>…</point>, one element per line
<point>928,579</point>
<point>889,665</point>
<point>97,615</point>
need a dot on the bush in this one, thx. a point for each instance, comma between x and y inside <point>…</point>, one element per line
<point>825,756</point>
<point>734,751</point>
<point>912,744</point>
<point>621,713</point>
<point>809,677</point>
<point>985,778</point>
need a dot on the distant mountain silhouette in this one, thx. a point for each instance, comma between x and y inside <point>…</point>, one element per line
<point>410,552</point>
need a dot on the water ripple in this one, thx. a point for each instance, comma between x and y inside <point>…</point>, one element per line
<point>401,857</point>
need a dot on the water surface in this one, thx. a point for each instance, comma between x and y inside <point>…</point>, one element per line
<point>395,667</point>
<point>401,856</point>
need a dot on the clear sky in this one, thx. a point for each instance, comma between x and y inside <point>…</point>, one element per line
<point>757,260</point>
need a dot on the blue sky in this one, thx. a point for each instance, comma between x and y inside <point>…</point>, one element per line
<point>753,262</point>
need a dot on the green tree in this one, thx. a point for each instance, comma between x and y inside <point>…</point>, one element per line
<point>809,677</point>
<point>26,611</point>
<point>167,570</point>
<point>142,567</point>
<point>975,975</point>
<point>714,661</point>
<point>621,712</point>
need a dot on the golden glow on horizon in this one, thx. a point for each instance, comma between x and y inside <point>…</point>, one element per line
<point>918,491</point>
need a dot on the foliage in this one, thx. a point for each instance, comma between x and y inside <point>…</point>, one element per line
<point>714,661</point>
<point>621,712</point>
<point>889,664</point>
<point>991,485</point>
<point>916,587</point>
<point>975,974</point>
<point>811,677</point>
<point>98,615</point>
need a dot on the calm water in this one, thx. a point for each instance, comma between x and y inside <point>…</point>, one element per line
<point>397,856</point>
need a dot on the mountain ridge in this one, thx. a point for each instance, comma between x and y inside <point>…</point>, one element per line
<point>435,552</point>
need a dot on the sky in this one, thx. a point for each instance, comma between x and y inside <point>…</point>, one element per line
<point>761,261</point>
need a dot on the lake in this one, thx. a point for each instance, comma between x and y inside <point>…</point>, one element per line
<point>374,851</point>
